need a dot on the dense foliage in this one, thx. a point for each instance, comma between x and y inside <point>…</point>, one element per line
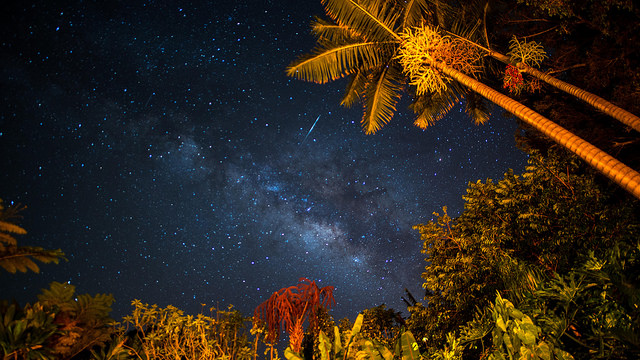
<point>539,265</point>
<point>551,241</point>
<point>60,325</point>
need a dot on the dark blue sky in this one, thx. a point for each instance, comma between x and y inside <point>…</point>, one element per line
<point>160,145</point>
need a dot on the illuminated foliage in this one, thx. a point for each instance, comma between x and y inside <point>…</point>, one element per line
<point>15,258</point>
<point>382,325</point>
<point>25,332</point>
<point>529,53</point>
<point>167,333</point>
<point>551,240</point>
<point>83,320</point>
<point>424,45</point>
<point>288,308</point>
<point>60,325</point>
<point>360,41</point>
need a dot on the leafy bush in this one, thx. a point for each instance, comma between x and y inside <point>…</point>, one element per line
<point>555,243</point>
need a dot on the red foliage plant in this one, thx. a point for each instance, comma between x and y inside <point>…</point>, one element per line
<point>513,80</point>
<point>293,304</point>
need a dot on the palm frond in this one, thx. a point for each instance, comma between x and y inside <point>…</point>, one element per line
<point>381,96</point>
<point>371,19</point>
<point>355,89</point>
<point>443,12</point>
<point>326,31</point>
<point>432,107</point>
<point>414,12</point>
<point>476,108</point>
<point>331,61</point>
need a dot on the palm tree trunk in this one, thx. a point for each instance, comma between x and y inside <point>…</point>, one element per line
<point>594,100</point>
<point>621,174</point>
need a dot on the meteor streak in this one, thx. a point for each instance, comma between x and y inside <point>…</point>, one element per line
<point>310,130</point>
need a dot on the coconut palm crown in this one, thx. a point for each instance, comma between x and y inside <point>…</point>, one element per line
<point>361,41</point>
<point>429,59</point>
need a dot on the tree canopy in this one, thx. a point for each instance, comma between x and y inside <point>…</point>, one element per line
<point>552,241</point>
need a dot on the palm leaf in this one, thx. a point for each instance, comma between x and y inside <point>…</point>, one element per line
<point>355,89</point>
<point>372,19</point>
<point>330,61</point>
<point>476,108</point>
<point>443,12</point>
<point>414,12</point>
<point>326,31</point>
<point>381,96</point>
<point>430,108</point>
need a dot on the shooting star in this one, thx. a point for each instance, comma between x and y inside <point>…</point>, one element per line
<point>310,130</point>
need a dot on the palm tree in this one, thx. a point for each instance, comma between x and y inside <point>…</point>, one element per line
<point>520,61</point>
<point>287,308</point>
<point>373,42</point>
<point>362,42</point>
<point>424,57</point>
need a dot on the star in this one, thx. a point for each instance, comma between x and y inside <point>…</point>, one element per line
<point>162,148</point>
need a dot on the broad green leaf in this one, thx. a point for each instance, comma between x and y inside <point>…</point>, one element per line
<point>356,328</point>
<point>543,351</point>
<point>324,346</point>
<point>292,355</point>
<point>508,343</point>
<point>500,323</point>
<point>409,346</point>
<point>337,345</point>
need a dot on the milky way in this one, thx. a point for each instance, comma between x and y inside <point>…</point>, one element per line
<point>161,146</point>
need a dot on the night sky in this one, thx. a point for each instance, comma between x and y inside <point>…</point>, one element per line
<point>162,148</point>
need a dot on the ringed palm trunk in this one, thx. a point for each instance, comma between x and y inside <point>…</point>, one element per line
<point>621,174</point>
<point>594,100</point>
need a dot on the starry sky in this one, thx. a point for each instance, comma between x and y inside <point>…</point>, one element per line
<point>160,145</point>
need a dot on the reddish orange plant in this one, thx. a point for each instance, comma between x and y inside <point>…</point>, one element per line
<point>293,305</point>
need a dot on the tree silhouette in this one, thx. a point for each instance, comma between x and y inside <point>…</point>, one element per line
<point>288,308</point>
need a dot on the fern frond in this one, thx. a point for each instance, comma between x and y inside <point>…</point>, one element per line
<point>7,239</point>
<point>14,259</point>
<point>57,293</point>
<point>372,19</point>
<point>334,61</point>
<point>96,308</point>
<point>381,96</point>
